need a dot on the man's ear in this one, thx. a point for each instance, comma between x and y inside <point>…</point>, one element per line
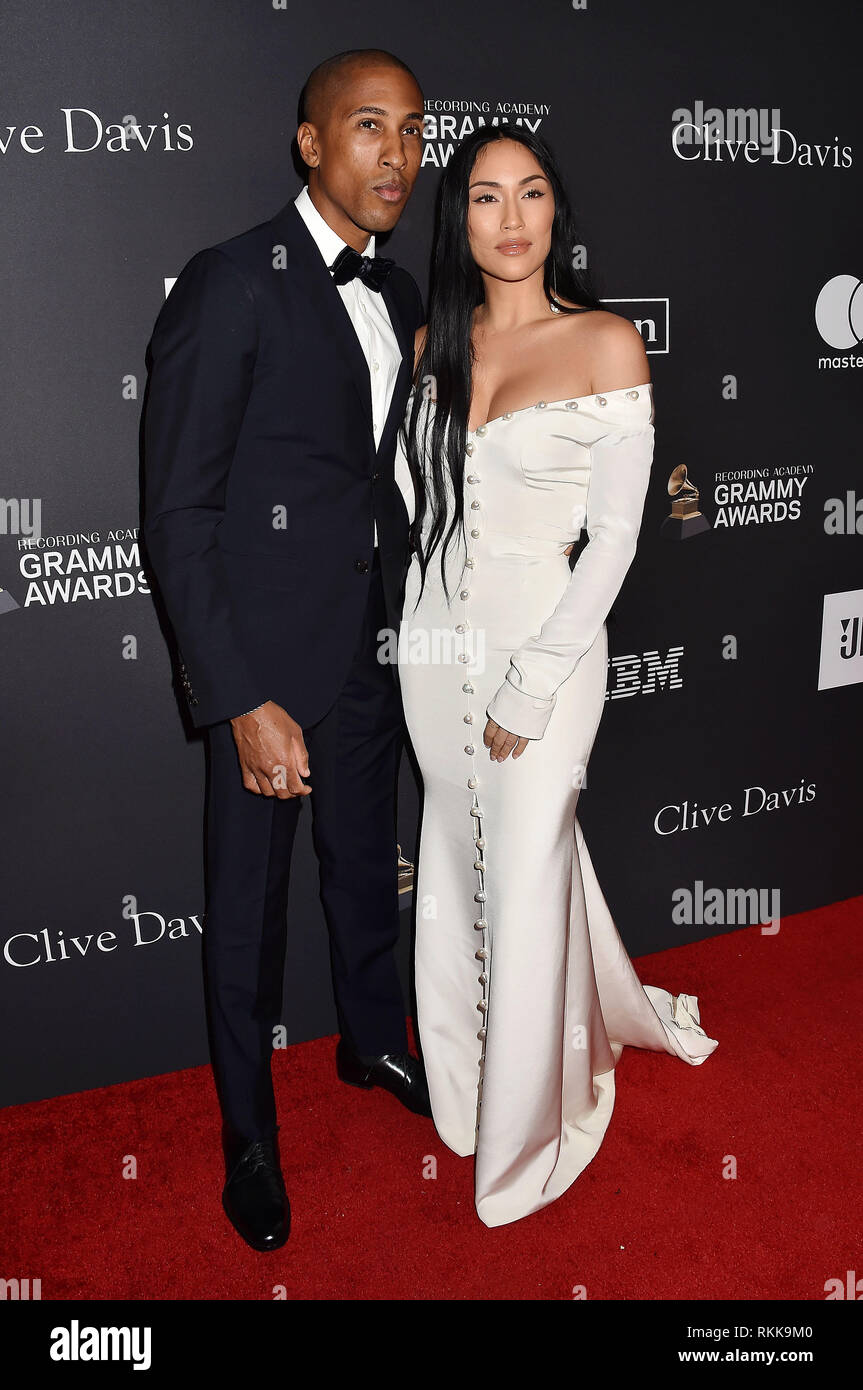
<point>307,143</point>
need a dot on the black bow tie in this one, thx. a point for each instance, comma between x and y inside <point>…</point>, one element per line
<point>372,270</point>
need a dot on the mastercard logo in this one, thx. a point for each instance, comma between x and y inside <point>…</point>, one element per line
<point>839,311</point>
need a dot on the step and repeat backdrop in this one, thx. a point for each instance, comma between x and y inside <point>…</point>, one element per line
<point>714,160</point>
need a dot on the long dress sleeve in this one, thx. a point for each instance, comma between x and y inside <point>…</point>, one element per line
<point>619,474</point>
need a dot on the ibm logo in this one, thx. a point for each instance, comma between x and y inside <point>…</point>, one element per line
<point>645,674</point>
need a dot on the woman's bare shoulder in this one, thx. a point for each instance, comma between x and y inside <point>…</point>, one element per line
<point>617,353</point>
<point>607,345</point>
<point>612,345</point>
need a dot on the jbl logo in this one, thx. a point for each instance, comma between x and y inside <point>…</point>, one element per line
<point>841,640</point>
<point>851,639</point>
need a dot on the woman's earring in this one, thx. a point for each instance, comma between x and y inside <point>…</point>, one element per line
<point>555,308</point>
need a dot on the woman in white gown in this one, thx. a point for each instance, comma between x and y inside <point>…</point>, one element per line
<point>534,406</point>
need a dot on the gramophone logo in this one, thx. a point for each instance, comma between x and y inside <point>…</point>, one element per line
<point>685,519</point>
<point>7,602</point>
<point>405,872</point>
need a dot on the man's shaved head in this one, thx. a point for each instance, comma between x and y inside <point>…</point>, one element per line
<point>361,138</point>
<point>321,85</point>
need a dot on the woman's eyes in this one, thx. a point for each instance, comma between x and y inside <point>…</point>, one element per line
<point>528,193</point>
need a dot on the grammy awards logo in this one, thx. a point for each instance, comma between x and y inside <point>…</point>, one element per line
<point>685,518</point>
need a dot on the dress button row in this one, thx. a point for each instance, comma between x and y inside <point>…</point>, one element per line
<point>542,405</point>
<point>468,718</point>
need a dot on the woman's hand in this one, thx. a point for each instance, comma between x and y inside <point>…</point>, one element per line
<point>500,743</point>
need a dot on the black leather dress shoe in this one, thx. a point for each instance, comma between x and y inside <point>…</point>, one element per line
<point>397,1072</point>
<point>254,1196</point>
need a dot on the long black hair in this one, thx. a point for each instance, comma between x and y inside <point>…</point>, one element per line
<point>434,440</point>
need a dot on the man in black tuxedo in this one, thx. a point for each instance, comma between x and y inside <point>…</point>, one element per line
<point>281,365</point>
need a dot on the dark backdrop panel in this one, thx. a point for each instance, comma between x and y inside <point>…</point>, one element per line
<point>101,826</point>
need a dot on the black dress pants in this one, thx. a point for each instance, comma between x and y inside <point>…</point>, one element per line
<point>354,753</point>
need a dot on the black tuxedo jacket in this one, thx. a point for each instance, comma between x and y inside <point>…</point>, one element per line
<point>262,483</point>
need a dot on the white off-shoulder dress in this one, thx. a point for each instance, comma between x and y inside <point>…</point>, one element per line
<point>525,993</point>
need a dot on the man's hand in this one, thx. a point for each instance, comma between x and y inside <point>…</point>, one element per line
<point>272,752</point>
<point>501,744</point>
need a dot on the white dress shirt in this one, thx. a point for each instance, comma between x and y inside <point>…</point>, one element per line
<point>367,312</point>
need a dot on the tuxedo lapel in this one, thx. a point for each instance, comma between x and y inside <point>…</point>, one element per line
<point>400,386</point>
<point>316,283</point>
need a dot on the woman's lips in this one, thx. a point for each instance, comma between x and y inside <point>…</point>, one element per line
<point>513,248</point>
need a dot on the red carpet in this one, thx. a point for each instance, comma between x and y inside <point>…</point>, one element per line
<point>650,1218</point>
